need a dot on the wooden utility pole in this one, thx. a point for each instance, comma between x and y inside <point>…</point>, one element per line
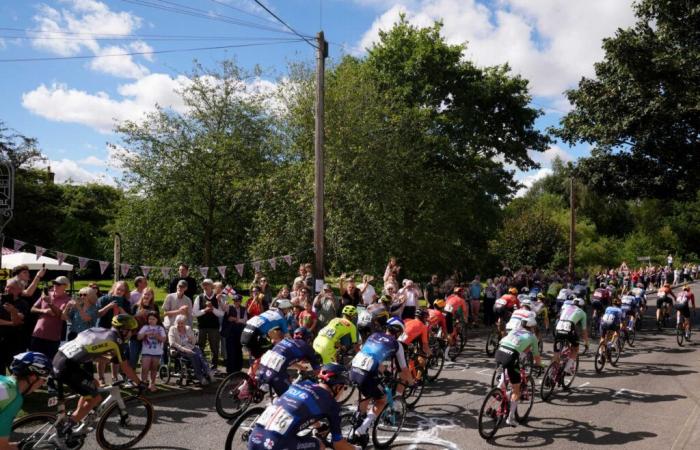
<point>572,228</point>
<point>319,171</point>
<point>117,256</point>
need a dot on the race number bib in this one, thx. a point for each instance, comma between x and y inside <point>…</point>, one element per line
<point>449,308</point>
<point>71,349</point>
<point>364,319</point>
<point>256,322</point>
<point>363,361</point>
<point>276,418</point>
<point>500,303</point>
<point>272,360</point>
<point>564,326</point>
<point>609,318</point>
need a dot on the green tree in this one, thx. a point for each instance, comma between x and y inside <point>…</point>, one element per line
<point>641,111</point>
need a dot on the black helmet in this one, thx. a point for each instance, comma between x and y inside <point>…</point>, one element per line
<point>333,374</point>
<point>421,314</point>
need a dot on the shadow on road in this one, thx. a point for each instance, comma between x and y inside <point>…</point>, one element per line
<point>623,369</point>
<point>590,396</point>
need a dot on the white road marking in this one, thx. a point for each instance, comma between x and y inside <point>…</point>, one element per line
<point>584,384</point>
<point>485,371</point>
<point>631,391</point>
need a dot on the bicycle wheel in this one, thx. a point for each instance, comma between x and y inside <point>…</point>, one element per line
<point>497,372</point>
<point>346,395</point>
<point>527,399</point>
<point>27,431</point>
<point>566,379</point>
<point>615,351</point>
<point>123,428</point>
<point>462,338</point>
<point>388,425</point>
<point>679,335</point>
<point>631,336</point>
<point>492,413</point>
<point>434,365</point>
<point>164,373</point>
<point>600,357</point>
<point>229,400</point>
<point>549,382</point>
<point>239,433</point>
<point>492,343</point>
<point>413,394</point>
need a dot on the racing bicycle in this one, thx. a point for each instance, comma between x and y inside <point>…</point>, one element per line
<point>556,374</point>
<point>496,406</point>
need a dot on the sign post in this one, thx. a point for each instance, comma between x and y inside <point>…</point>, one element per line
<point>7,197</point>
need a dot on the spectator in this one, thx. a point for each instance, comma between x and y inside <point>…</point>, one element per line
<point>432,290</point>
<point>81,313</point>
<point>490,296</point>
<point>181,338</point>
<point>115,302</point>
<point>21,273</point>
<point>255,303</point>
<point>369,295</point>
<point>141,310</point>
<point>309,278</point>
<point>223,298</point>
<point>294,296</point>
<point>235,317</point>
<point>391,273</point>
<point>140,283</point>
<point>308,318</point>
<point>184,275</point>
<point>301,278</point>
<point>96,288</point>
<point>326,306</point>
<point>410,294</point>
<point>177,304</point>
<point>13,313</point>
<point>266,291</point>
<point>152,337</point>
<point>284,293</point>
<point>47,332</point>
<point>475,296</point>
<point>207,312</point>
<point>350,294</point>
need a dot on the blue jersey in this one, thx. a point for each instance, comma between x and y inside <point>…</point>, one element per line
<point>285,353</point>
<point>612,315</point>
<point>267,321</point>
<point>302,405</point>
<point>629,303</point>
<point>378,348</point>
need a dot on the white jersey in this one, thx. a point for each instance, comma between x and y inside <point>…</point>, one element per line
<point>516,319</point>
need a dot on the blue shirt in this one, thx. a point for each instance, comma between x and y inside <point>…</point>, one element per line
<point>267,321</point>
<point>380,347</point>
<point>475,290</point>
<point>291,351</point>
<point>612,315</point>
<point>77,324</point>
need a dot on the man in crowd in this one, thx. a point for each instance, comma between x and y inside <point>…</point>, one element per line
<point>183,275</point>
<point>208,310</point>
<point>140,283</point>
<point>47,332</point>
<point>14,311</point>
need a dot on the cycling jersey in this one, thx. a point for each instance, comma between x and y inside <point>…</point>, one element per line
<point>564,294</point>
<point>507,301</point>
<point>267,321</point>
<point>573,314</point>
<point>612,316</point>
<point>516,320</point>
<point>437,319</point>
<point>301,406</point>
<point>520,340</point>
<point>413,329</point>
<point>629,304</point>
<point>455,305</point>
<point>10,404</point>
<point>638,292</point>
<point>274,362</point>
<point>90,344</point>
<point>379,348</point>
<point>338,331</point>
<point>684,298</point>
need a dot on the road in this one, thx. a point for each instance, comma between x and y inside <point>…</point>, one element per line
<point>650,401</point>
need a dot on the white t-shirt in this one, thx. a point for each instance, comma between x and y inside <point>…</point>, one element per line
<point>150,345</point>
<point>369,293</point>
<point>411,296</point>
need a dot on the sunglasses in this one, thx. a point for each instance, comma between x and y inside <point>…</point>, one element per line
<point>82,295</point>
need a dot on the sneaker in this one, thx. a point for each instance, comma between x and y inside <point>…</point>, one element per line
<point>512,422</point>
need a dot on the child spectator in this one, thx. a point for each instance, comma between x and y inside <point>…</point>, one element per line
<point>152,336</point>
<point>308,318</point>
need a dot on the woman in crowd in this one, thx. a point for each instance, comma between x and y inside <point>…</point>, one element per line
<point>235,317</point>
<point>141,310</point>
<point>81,313</point>
<point>181,338</point>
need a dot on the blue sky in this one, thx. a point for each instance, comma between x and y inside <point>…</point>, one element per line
<point>70,105</point>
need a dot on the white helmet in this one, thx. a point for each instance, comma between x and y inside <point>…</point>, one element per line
<point>526,302</point>
<point>578,301</point>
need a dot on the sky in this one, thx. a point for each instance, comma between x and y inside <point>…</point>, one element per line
<point>71,105</point>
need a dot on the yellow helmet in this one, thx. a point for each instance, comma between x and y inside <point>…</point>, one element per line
<point>439,303</point>
<point>513,291</point>
<point>124,321</point>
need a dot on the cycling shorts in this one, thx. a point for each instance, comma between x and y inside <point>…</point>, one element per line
<point>684,309</point>
<point>368,383</point>
<point>661,300</point>
<point>261,439</point>
<point>74,375</point>
<point>628,310</point>
<point>561,337</point>
<point>253,339</point>
<point>502,313</point>
<point>605,327</point>
<point>598,305</point>
<point>279,382</point>
<point>449,321</point>
<point>510,360</point>
<point>326,348</point>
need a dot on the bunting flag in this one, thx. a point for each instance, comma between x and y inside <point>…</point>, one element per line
<point>18,244</point>
<point>273,263</point>
<point>204,271</point>
<point>60,257</point>
<point>125,268</point>
<point>256,266</point>
<point>82,262</point>
<point>103,266</point>
<point>146,270</point>
<point>222,271</point>
<point>39,251</point>
<point>288,259</point>
<point>239,269</point>
<point>165,271</point>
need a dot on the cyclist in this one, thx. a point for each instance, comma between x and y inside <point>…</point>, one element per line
<point>571,317</point>
<point>563,295</point>
<point>640,294</point>
<point>261,333</point>
<point>628,305</point>
<point>379,349</point>
<point>417,329</point>
<point>373,319</point>
<point>511,346</point>
<point>29,371</point>
<point>455,309</point>
<point>600,301</point>
<point>339,333</point>
<point>302,405</point>
<point>436,319</point>
<point>287,352</point>
<point>88,346</point>
<point>683,301</point>
<point>504,307</point>
<point>611,321</point>
<point>663,301</point>
<point>540,309</point>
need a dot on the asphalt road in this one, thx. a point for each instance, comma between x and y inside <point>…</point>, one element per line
<point>650,401</point>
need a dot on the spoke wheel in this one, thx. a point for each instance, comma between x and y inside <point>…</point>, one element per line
<point>348,391</point>
<point>615,351</point>
<point>462,338</point>
<point>492,343</point>
<point>435,364</point>
<point>164,373</point>
<point>497,372</point>
<point>631,335</point>
<point>492,413</point>
<point>118,429</point>
<point>549,382</point>
<point>240,431</point>
<point>27,431</point>
<point>413,394</point>
<point>679,335</point>
<point>527,399</point>
<point>566,379</point>
<point>388,425</point>
<point>600,357</point>
<point>228,402</point>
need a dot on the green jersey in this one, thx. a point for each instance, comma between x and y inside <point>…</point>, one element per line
<point>10,404</point>
<point>520,340</point>
<point>573,314</point>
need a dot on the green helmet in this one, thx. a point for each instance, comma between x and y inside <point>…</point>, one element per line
<point>349,310</point>
<point>124,321</point>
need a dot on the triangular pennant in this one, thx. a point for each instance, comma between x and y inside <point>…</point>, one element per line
<point>103,266</point>
<point>288,259</point>
<point>273,263</point>
<point>256,266</point>
<point>82,261</point>
<point>239,268</point>
<point>18,244</point>
<point>39,251</point>
<point>125,268</point>
<point>146,270</point>
<point>165,271</point>
<point>60,257</point>
<point>222,271</point>
<point>204,271</point>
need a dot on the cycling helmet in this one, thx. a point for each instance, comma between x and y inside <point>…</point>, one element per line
<point>540,296</point>
<point>395,325</point>
<point>283,303</point>
<point>349,310</point>
<point>30,363</point>
<point>571,297</point>
<point>439,303</point>
<point>333,374</point>
<point>579,301</point>
<point>616,301</point>
<point>526,302</point>
<point>421,314</point>
<point>124,321</point>
<point>303,334</point>
<point>458,290</point>
<point>525,290</point>
<point>513,291</point>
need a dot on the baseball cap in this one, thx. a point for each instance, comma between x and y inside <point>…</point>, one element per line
<point>62,280</point>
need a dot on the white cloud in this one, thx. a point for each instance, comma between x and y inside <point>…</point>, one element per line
<point>85,19</point>
<point>92,160</point>
<point>529,179</point>
<point>70,171</point>
<point>545,158</point>
<point>552,43</point>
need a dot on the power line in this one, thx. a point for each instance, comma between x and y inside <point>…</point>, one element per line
<point>121,35</point>
<point>154,52</point>
<point>140,37</point>
<point>226,5</point>
<point>284,23</point>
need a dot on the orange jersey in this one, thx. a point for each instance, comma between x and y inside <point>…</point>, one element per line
<point>454,303</point>
<point>437,318</point>
<point>413,329</point>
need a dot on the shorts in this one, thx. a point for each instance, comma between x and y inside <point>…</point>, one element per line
<point>261,439</point>
<point>502,313</point>
<point>74,375</point>
<point>279,382</point>
<point>684,309</point>
<point>598,305</point>
<point>605,327</point>
<point>660,301</point>
<point>629,311</point>
<point>449,320</point>
<point>255,342</point>
<point>570,337</point>
<point>510,360</point>
<point>326,348</point>
<point>368,383</point>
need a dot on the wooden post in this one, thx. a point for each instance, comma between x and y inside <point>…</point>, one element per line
<point>319,170</point>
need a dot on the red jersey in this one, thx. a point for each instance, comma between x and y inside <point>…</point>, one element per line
<point>437,318</point>
<point>508,301</point>
<point>454,303</point>
<point>414,329</point>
